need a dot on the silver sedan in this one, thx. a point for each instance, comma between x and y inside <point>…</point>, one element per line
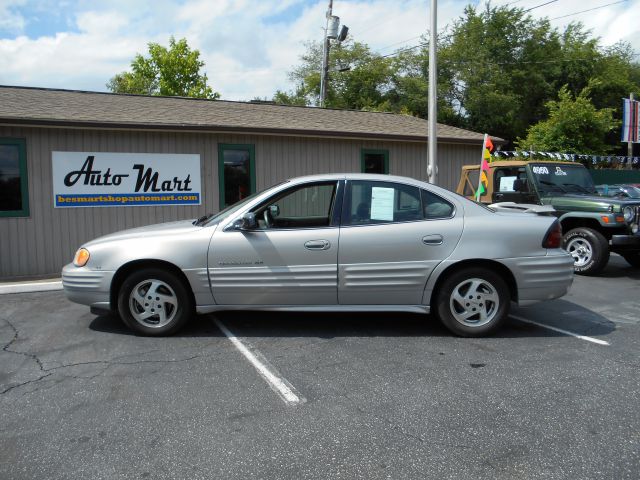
<point>351,242</point>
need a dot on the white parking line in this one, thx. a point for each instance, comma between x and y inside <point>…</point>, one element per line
<point>268,372</point>
<point>559,330</point>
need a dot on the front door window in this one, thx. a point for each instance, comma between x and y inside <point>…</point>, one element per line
<point>308,206</point>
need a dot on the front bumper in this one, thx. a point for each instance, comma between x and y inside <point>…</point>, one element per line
<point>87,287</point>
<point>625,243</point>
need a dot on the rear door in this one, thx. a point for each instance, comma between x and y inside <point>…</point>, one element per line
<point>392,236</point>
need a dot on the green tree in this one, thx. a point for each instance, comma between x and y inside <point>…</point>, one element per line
<point>574,125</point>
<point>366,85</point>
<point>500,69</point>
<point>173,71</point>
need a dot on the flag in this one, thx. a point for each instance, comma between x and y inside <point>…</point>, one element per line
<point>483,182</point>
<point>630,123</point>
<point>489,144</point>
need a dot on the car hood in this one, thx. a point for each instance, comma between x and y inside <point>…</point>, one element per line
<point>158,229</point>
<point>586,202</point>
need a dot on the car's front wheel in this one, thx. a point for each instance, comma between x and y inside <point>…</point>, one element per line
<point>154,302</point>
<point>473,302</point>
<point>589,249</point>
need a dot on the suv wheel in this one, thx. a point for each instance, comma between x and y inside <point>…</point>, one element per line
<point>589,249</point>
<point>473,302</point>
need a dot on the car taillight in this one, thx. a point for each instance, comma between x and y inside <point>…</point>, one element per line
<point>553,238</point>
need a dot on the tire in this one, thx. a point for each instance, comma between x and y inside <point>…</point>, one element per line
<point>632,258</point>
<point>154,302</point>
<point>589,249</point>
<point>477,316</point>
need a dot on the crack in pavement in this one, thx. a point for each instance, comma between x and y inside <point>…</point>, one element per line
<point>12,341</point>
<point>107,363</point>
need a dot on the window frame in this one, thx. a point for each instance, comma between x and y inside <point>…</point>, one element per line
<point>375,151</point>
<point>252,168</point>
<point>24,180</point>
<point>345,221</point>
<point>334,215</point>
<point>423,192</point>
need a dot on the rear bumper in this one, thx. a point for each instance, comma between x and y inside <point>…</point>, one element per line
<point>87,287</point>
<point>541,278</point>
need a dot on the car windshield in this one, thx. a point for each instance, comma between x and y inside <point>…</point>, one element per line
<point>624,191</point>
<point>633,192</point>
<point>550,178</point>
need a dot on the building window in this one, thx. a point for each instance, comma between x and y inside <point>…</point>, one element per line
<point>375,161</point>
<point>236,173</point>
<point>14,194</point>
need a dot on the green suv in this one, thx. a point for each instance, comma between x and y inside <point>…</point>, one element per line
<point>594,225</point>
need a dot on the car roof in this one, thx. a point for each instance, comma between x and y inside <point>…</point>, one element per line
<point>359,176</point>
<point>380,177</point>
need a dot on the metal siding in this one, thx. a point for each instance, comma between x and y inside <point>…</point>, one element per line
<point>46,240</point>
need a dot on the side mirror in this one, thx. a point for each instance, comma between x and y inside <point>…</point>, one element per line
<point>246,222</point>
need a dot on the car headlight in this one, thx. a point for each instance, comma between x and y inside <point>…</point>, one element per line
<point>628,214</point>
<point>81,258</point>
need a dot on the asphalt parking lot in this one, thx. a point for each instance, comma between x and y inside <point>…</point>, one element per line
<point>369,395</point>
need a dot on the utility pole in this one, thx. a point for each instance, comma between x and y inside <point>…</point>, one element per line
<point>432,169</point>
<point>324,76</point>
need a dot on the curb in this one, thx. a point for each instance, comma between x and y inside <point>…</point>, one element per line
<point>28,287</point>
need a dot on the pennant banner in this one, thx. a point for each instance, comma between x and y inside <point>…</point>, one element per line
<point>569,157</point>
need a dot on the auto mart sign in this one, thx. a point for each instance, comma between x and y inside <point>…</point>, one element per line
<point>100,179</point>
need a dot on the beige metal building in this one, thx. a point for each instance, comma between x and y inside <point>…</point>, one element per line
<point>240,148</point>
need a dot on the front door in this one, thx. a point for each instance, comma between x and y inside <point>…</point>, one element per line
<point>290,258</point>
<point>393,235</point>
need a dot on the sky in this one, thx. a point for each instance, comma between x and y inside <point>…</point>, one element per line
<point>248,46</point>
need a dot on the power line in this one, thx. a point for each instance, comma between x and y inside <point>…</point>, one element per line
<point>588,10</point>
<point>538,6</point>
<point>462,62</point>
<point>398,52</point>
<point>398,43</point>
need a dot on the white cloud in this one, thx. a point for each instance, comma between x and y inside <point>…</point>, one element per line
<point>248,46</point>
<point>11,21</point>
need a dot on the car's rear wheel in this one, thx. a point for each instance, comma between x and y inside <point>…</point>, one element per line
<point>473,302</point>
<point>589,249</point>
<point>632,258</point>
<point>154,302</point>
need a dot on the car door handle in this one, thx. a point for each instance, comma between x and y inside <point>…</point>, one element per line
<point>432,240</point>
<point>317,245</point>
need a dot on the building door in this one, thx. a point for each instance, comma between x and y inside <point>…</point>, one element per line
<point>236,173</point>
